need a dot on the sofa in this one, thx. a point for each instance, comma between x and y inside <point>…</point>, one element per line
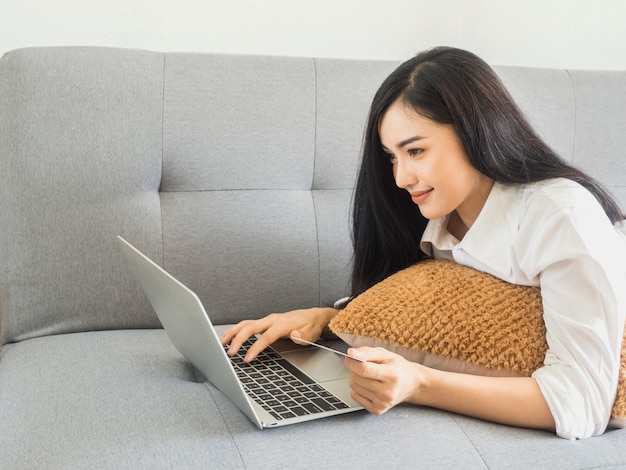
<point>235,173</point>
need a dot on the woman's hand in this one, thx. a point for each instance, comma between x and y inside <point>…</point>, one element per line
<point>306,324</point>
<point>384,381</point>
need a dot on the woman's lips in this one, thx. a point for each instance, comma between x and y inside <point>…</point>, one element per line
<point>420,196</point>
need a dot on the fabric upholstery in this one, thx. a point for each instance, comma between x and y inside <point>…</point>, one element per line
<point>80,161</point>
<point>124,399</point>
<point>599,142</point>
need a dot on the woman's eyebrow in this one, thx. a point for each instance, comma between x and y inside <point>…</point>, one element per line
<point>410,140</point>
<point>403,143</point>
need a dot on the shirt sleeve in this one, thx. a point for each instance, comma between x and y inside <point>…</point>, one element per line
<point>579,260</point>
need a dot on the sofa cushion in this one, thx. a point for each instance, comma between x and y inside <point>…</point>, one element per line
<point>80,162</point>
<point>452,317</point>
<point>110,399</point>
<point>127,400</point>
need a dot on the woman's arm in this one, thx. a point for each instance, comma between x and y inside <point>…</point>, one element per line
<point>577,255</point>
<point>388,379</point>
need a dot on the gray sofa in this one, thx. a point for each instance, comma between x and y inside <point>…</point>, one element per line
<point>236,174</point>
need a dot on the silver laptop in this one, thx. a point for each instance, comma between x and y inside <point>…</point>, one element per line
<point>286,384</point>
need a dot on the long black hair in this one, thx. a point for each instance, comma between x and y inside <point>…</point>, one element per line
<point>456,87</point>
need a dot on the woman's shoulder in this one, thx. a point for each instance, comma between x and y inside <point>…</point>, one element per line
<point>559,195</point>
<point>557,202</point>
<point>543,199</point>
<point>555,186</point>
<point>564,206</point>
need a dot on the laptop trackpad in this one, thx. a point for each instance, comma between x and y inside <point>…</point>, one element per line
<point>321,366</point>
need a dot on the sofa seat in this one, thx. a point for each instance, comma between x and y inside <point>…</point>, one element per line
<point>95,396</point>
<point>128,399</point>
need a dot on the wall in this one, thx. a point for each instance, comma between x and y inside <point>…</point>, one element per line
<point>543,33</point>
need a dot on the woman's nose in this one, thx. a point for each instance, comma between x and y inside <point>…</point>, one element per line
<point>403,174</point>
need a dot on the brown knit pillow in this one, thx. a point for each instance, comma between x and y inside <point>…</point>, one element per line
<point>455,318</point>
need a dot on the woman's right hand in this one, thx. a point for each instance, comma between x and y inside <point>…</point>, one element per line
<point>307,324</point>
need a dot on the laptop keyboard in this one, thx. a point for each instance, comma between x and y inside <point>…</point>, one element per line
<point>281,388</point>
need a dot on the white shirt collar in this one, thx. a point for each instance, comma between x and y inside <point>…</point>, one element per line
<point>489,239</point>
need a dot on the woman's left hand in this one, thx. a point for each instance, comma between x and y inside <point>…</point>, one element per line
<point>385,380</point>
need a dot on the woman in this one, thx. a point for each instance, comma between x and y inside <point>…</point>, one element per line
<point>452,169</point>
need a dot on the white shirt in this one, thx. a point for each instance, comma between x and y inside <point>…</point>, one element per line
<point>555,235</point>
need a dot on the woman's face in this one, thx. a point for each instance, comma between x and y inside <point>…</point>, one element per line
<point>430,163</point>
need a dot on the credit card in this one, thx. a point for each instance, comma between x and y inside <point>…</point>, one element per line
<point>337,352</point>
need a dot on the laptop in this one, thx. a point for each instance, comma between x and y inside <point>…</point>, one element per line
<point>286,384</point>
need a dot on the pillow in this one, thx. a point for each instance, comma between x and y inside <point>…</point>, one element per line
<point>455,318</point>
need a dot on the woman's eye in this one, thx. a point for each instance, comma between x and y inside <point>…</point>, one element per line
<point>415,152</point>
<point>392,158</point>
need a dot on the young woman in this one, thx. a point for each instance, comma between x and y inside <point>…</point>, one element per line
<point>452,169</point>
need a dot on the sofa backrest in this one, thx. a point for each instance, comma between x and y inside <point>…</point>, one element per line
<point>233,172</point>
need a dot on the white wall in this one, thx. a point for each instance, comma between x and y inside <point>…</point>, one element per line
<point>543,33</point>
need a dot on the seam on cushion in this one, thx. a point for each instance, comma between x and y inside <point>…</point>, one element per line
<point>319,258</point>
<point>575,110</point>
<point>248,189</point>
<point>195,372</point>
<point>315,117</point>
<point>469,439</point>
<point>162,159</point>
<point>4,348</point>
<point>226,424</point>
<point>317,232</point>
